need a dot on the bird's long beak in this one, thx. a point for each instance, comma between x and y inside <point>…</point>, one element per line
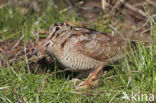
<point>43,44</point>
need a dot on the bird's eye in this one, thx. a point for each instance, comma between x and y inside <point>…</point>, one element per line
<point>57,28</point>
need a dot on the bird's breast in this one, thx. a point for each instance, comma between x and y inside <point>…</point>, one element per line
<point>77,61</point>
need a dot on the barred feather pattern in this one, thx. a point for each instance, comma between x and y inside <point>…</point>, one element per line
<point>82,48</point>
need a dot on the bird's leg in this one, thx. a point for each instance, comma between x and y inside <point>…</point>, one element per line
<point>90,78</point>
<point>81,74</point>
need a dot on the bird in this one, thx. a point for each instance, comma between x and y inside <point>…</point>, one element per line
<point>84,50</point>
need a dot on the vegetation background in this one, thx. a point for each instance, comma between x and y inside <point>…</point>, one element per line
<point>25,79</point>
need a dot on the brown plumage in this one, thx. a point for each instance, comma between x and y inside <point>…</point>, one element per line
<point>82,48</point>
<point>73,47</point>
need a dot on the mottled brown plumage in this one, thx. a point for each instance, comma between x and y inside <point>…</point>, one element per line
<point>73,47</point>
<point>82,48</point>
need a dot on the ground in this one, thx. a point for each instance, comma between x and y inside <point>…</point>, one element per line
<point>31,79</point>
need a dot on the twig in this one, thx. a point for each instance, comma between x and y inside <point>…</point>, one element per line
<point>65,9</point>
<point>116,5</point>
<point>114,29</point>
<point>134,40</point>
<point>146,23</point>
<point>69,7</point>
<point>129,6</point>
<point>104,4</point>
<point>147,30</point>
<point>139,4</point>
<point>17,43</point>
<point>135,9</point>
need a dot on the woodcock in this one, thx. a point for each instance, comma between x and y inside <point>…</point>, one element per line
<point>83,49</point>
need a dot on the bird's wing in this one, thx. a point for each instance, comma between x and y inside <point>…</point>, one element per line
<point>100,46</point>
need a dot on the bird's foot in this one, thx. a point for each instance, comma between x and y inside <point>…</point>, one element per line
<point>90,80</point>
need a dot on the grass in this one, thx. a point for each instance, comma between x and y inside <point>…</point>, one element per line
<point>135,74</point>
